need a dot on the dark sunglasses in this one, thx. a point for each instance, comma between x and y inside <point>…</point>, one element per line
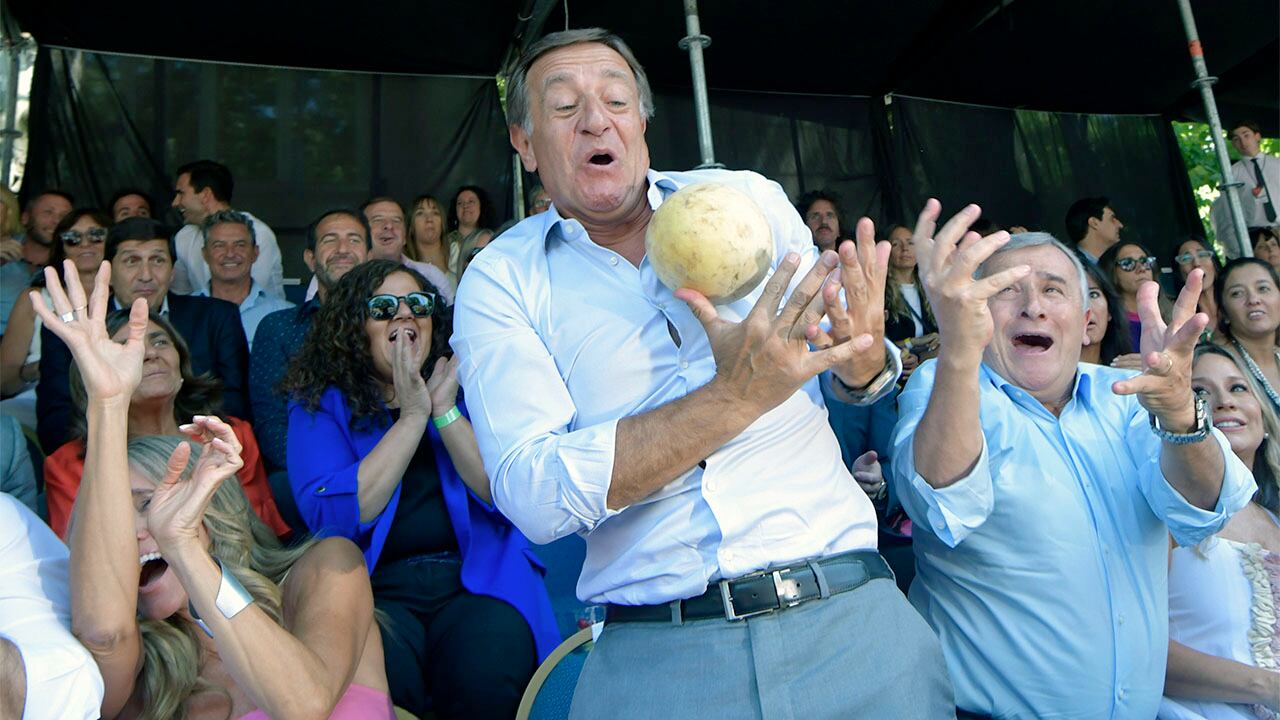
<point>75,237</point>
<point>384,307</point>
<point>1187,258</point>
<point>1131,264</point>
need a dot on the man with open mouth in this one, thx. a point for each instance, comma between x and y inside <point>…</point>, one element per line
<point>1043,489</point>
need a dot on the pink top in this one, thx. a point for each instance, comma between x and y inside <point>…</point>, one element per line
<point>357,703</point>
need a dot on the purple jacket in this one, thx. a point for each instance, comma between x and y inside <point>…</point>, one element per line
<point>324,458</point>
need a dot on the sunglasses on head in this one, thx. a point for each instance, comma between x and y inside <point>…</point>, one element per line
<point>1131,264</point>
<point>385,307</point>
<point>1187,258</point>
<point>75,237</point>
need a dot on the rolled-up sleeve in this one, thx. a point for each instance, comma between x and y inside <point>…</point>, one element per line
<point>324,474</point>
<point>548,479</point>
<point>1188,524</point>
<point>950,513</point>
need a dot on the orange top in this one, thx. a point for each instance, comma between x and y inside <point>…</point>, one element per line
<point>63,469</point>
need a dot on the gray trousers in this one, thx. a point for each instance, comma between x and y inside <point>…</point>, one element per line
<point>861,654</point>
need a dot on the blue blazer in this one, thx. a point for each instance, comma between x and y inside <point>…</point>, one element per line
<point>324,459</point>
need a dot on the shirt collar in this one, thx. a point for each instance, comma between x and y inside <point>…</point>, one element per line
<point>1081,391</point>
<point>557,226</point>
<point>164,306</point>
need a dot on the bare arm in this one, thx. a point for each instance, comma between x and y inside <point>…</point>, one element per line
<point>13,680</point>
<point>948,440</point>
<point>104,544</point>
<point>16,344</point>
<point>1193,674</point>
<point>382,469</point>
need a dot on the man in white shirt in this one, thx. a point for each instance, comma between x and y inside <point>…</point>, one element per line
<point>229,252</point>
<point>45,673</point>
<point>688,443</point>
<point>1259,192</point>
<point>202,188</point>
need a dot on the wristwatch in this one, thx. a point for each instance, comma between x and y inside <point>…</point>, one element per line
<point>1200,432</point>
<point>873,388</point>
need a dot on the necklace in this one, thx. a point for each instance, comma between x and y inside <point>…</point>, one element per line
<point>1257,371</point>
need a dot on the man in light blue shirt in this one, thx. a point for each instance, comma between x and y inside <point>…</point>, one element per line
<point>230,249</point>
<point>687,442</point>
<point>1044,490</point>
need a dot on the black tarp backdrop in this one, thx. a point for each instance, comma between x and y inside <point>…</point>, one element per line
<point>297,141</point>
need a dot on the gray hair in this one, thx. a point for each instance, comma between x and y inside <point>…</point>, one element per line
<point>1036,239</point>
<point>227,216</point>
<point>518,77</point>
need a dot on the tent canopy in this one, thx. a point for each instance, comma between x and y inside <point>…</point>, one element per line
<point>1088,56</point>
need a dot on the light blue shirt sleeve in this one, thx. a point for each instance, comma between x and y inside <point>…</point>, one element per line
<point>950,513</point>
<point>548,479</point>
<point>1188,524</point>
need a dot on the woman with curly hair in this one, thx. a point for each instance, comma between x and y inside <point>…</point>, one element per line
<point>1223,627</point>
<point>170,392</point>
<point>188,604</point>
<point>381,452</point>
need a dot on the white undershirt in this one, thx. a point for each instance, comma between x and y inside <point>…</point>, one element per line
<point>912,296</point>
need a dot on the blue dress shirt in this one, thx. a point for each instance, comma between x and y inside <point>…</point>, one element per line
<point>325,451</point>
<point>256,305</point>
<point>560,338</point>
<point>1044,571</point>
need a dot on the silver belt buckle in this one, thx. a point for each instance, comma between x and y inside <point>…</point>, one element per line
<point>788,590</point>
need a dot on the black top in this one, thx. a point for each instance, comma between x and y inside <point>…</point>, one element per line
<point>421,525</point>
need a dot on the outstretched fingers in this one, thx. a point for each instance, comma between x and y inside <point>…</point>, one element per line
<point>178,460</point>
<point>992,284</point>
<point>1188,299</point>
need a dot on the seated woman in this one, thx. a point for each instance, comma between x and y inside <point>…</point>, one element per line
<point>380,453</point>
<point>1248,294</point>
<point>188,604</point>
<point>907,313</point>
<point>80,237</point>
<point>1192,254</point>
<point>1107,333</point>
<point>427,242</point>
<point>1128,265</point>
<point>470,217</point>
<point>168,395</point>
<point>1223,629</point>
<point>1266,245</point>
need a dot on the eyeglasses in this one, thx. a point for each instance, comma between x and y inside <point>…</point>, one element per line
<point>1187,258</point>
<point>1131,264</point>
<point>75,237</point>
<point>385,307</point>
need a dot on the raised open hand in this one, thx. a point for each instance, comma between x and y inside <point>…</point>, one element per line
<point>766,357</point>
<point>411,393</point>
<point>442,386</point>
<point>864,265</point>
<point>176,509</point>
<point>109,369</point>
<point>948,260</point>
<point>1164,387</point>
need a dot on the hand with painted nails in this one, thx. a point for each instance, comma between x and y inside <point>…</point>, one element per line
<point>948,259</point>
<point>175,512</point>
<point>110,370</point>
<point>1164,387</point>
<point>764,359</point>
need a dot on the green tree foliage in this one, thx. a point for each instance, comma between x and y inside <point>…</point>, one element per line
<point>1196,143</point>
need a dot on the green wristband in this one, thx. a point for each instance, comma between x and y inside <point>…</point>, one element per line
<point>441,421</point>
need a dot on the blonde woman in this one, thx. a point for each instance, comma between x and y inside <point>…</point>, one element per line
<point>187,603</point>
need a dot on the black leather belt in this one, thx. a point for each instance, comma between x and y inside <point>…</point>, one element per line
<point>764,592</point>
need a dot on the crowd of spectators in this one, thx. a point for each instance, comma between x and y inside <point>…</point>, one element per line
<point>374,540</point>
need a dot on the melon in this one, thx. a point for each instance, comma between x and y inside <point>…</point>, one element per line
<point>711,238</point>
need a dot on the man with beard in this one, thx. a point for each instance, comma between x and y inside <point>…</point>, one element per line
<point>40,217</point>
<point>337,241</point>
<point>821,212</point>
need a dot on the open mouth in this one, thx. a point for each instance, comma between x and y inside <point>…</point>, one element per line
<point>409,333</point>
<point>601,158</point>
<point>1032,342</point>
<point>1229,424</point>
<point>151,568</point>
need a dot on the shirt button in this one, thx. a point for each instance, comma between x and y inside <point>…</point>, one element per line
<point>613,261</point>
<point>1120,619</point>
<point>710,485</point>
<point>1122,694</point>
<point>684,364</point>
<point>321,490</point>
<point>940,524</point>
